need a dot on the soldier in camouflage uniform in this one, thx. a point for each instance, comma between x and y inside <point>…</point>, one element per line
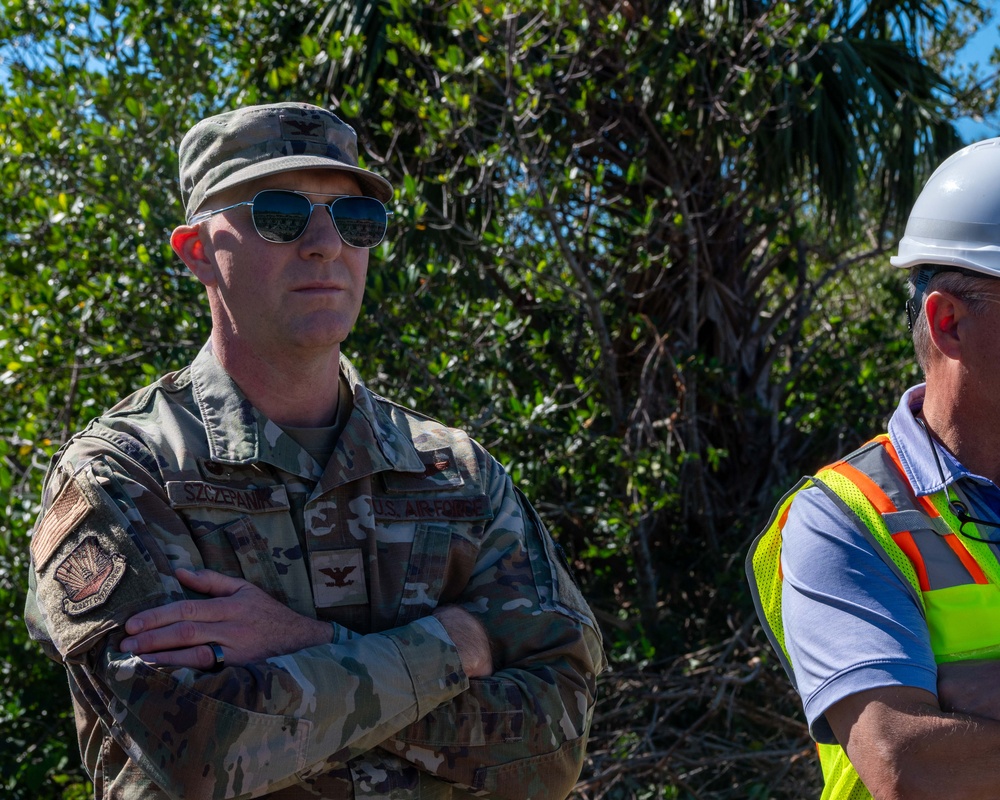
<point>264,579</point>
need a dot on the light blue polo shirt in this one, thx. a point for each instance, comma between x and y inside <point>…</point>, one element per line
<point>850,622</point>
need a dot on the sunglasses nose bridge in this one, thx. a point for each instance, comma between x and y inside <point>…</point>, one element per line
<point>333,217</point>
<point>312,208</point>
<point>329,210</point>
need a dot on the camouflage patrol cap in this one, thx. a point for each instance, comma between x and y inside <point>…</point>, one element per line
<point>251,142</point>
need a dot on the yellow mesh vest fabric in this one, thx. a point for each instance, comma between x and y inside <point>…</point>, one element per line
<point>766,568</point>
<point>840,779</point>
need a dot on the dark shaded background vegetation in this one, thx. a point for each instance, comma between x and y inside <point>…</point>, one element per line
<point>640,250</point>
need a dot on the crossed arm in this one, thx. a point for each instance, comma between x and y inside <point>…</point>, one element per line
<point>252,626</point>
<point>906,743</point>
<point>306,701</point>
<point>849,617</point>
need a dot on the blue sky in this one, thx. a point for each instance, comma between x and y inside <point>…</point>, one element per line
<point>979,49</point>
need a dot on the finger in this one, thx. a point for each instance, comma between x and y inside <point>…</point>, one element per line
<point>180,635</point>
<point>207,581</point>
<point>182,610</point>
<point>201,657</point>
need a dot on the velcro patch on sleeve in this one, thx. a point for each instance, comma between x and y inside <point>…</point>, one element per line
<point>91,576</point>
<point>70,508</point>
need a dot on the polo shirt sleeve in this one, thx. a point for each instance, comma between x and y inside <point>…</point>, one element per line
<point>850,622</point>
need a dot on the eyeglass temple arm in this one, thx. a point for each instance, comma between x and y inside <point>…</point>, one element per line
<point>203,215</point>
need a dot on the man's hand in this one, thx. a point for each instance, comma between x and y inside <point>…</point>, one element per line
<point>470,638</point>
<point>244,620</point>
<point>970,687</point>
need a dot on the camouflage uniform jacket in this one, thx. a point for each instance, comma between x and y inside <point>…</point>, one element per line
<point>407,514</point>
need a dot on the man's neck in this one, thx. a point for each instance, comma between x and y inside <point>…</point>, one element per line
<point>300,389</point>
<point>966,430</point>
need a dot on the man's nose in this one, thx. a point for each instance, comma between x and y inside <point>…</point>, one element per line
<point>321,238</point>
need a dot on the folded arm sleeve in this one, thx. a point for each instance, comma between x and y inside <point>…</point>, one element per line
<point>851,624</point>
<point>522,732</point>
<point>244,730</point>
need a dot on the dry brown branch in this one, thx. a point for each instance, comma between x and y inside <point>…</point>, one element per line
<point>719,723</point>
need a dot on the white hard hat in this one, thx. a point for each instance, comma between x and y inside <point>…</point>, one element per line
<point>956,219</point>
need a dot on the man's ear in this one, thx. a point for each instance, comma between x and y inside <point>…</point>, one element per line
<point>946,314</point>
<point>186,242</point>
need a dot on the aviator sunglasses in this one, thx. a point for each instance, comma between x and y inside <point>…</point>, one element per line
<point>281,215</point>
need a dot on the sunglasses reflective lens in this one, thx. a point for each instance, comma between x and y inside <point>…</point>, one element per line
<point>361,221</point>
<point>280,216</point>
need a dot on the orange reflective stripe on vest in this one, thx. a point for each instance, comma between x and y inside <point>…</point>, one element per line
<point>952,540</point>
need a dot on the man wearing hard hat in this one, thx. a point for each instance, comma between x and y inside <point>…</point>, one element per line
<point>877,579</point>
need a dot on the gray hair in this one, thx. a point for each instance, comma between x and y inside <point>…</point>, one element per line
<point>974,289</point>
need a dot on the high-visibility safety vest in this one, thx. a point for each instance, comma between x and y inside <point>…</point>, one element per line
<point>954,580</point>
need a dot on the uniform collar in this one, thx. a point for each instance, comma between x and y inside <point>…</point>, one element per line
<point>914,448</point>
<point>238,433</point>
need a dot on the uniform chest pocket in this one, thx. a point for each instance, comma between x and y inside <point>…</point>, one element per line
<point>238,549</point>
<point>219,517</point>
<point>428,570</point>
<point>447,528</point>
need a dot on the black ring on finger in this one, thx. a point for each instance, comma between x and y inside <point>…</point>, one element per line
<point>220,657</point>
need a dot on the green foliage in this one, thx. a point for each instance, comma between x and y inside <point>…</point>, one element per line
<point>633,225</point>
<point>639,250</point>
